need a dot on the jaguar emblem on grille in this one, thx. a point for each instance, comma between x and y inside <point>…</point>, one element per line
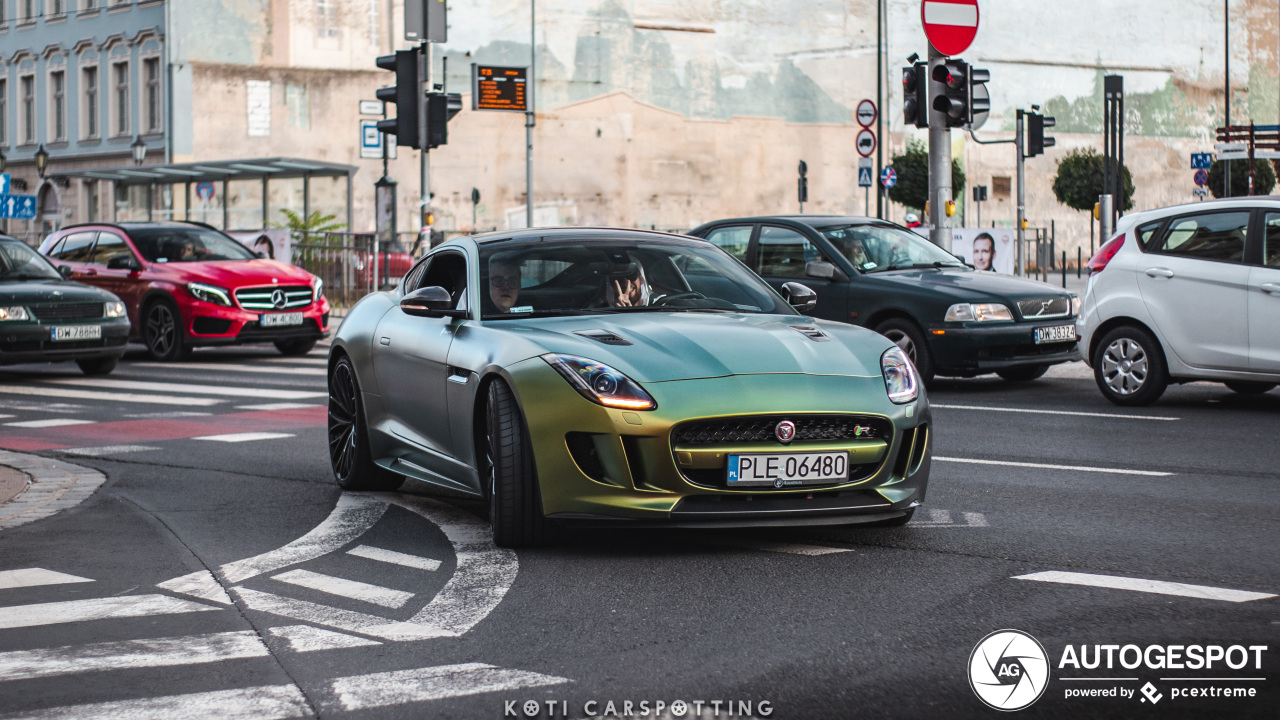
<point>277,298</point>
<point>786,431</point>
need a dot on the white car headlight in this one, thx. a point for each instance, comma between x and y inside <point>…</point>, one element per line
<point>978,312</point>
<point>211,294</point>
<point>318,285</point>
<point>900,378</point>
<point>13,313</point>
<point>600,383</point>
<point>113,309</point>
<point>1075,305</point>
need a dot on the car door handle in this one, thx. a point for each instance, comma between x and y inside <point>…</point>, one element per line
<point>1159,272</point>
<point>1271,288</point>
<point>385,340</point>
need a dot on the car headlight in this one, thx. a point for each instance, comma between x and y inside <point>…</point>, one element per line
<point>13,313</point>
<point>900,378</point>
<point>1075,305</point>
<point>978,312</point>
<point>211,294</point>
<point>600,383</point>
<point>318,285</point>
<point>113,309</point>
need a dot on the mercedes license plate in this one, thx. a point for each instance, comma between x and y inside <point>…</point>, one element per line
<point>77,332</point>
<point>280,319</point>
<point>783,469</point>
<point>1057,333</point>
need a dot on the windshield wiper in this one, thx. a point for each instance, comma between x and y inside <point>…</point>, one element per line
<point>665,308</point>
<point>918,266</point>
<point>546,313</point>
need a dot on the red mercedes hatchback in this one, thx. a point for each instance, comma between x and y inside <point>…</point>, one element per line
<point>186,285</point>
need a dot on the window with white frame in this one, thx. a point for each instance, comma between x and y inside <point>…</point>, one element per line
<point>374,30</point>
<point>298,105</point>
<point>155,115</point>
<point>28,8</point>
<point>89,114</point>
<point>27,131</point>
<point>88,5</point>
<point>120,100</point>
<point>57,8</point>
<point>58,105</point>
<point>327,18</point>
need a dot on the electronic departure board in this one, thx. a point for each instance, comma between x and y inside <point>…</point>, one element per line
<point>498,88</point>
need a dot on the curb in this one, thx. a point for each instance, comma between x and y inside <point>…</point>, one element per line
<point>55,486</point>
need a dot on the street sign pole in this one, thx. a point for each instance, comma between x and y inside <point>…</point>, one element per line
<point>1022,195</point>
<point>939,160</point>
<point>424,72</point>
<point>530,117</point>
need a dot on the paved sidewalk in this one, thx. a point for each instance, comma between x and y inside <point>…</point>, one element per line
<point>12,483</point>
<point>54,486</point>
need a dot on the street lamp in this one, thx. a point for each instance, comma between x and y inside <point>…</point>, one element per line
<point>139,149</point>
<point>42,160</point>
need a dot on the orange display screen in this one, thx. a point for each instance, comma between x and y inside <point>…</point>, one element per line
<point>498,88</point>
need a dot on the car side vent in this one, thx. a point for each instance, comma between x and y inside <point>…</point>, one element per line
<point>603,336</point>
<point>811,332</point>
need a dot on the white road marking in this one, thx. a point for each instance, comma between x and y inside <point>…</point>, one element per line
<point>949,13</point>
<point>244,437</point>
<point>351,517</point>
<point>352,589</point>
<point>254,703</point>
<point>228,367</point>
<point>107,450</point>
<point>35,577</point>
<point>337,618</point>
<point>2,416</point>
<point>279,406</point>
<point>304,638</point>
<point>943,518</point>
<point>298,360</point>
<point>767,546</point>
<point>1048,466</point>
<point>398,687</point>
<point>1113,416</point>
<point>108,396</point>
<point>158,652</point>
<point>397,558</point>
<point>166,415</point>
<point>1158,587</point>
<point>201,584</point>
<point>222,390</point>
<point>55,422</point>
<point>69,611</point>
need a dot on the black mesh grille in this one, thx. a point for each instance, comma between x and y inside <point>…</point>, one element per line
<point>210,326</point>
<point>67,311</point>
<point>762,429</point>
<point>1044,308</point>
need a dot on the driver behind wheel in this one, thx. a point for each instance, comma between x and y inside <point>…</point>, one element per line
<point>626,287</point>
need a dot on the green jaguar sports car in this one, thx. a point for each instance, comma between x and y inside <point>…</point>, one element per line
<point>579,375</point>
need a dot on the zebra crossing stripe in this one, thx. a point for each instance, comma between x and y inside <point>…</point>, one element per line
<point>131,654</point>
<point>56,613</point>
<point>305,638</point>
<point>220,390</point>
<point>337,618</point>
<point>396,558</point>
<point>253,703</point>
<point>342,587</point>
<point>362,692</point>
<point>229,367</point>
<point>107,396</point>
<point>36,577</point>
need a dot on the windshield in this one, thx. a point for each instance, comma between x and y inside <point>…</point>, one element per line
<point>19,262</point>
<point>571,277</point>
<point>166,244</point>
<point>873,248</point>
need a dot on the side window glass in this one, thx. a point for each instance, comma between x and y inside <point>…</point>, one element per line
<point>1271,241</point>
<point>733,240</point>
<point>449,271</point>
<point>76,247</point>
<point>783,253</point>
<point>1216,236</point>
<point>1145,233</point>
<point>109,245</point>
<point>413,280</point>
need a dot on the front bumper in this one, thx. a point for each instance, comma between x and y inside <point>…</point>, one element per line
<point>636,476</point>
<point>208,324</point>
<point>975,348</point>
<point>31,342</point>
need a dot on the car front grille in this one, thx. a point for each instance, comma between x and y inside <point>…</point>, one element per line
<point>753,429</point>
<point>261,298</point>
<point>1042,308</point>
<point>67,311</point>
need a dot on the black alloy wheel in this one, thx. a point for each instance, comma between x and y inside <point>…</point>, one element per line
<point>296,347</point>
<point>98,366</point>
<point>515,501</point>
<point>162,332</point>
<point>906,335</point>
<point>353,466</point>
<point>1025,373</point>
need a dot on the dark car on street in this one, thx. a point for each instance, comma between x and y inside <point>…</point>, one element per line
<point>949,318</point>
<point>44,317</point>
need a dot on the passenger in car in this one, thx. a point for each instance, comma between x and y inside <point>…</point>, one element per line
<point>504,285</point>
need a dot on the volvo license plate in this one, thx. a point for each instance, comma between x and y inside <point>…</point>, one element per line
<point>1057,333</point>
<point>77,332</point>
<point>280,319</point>
<point>783,469</point>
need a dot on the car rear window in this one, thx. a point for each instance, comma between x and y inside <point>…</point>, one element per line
<point>1211,236</point>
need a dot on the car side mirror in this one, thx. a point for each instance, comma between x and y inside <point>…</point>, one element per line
<point>66,271</point>
<point>800,297</point>
<point>820,269</point>
<point>123,262</point>
<point>432,301</point>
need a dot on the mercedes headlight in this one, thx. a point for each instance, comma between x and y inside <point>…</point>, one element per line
<point>211,294</point>
<point>600,383</point>
<point>13,313</point>
<point>318,285</point>
<point>113,309</point>
<point>978,312</point>
<point>900,378</point>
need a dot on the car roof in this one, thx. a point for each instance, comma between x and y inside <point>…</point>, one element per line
<point>138,225</point>
<point>575,233</point>
<point>814,221</point>
<point>1215,204</point>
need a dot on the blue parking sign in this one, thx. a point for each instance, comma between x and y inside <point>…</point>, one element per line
<point>1201,161</point>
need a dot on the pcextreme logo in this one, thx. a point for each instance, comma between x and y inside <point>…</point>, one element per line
<point>1008,670</point>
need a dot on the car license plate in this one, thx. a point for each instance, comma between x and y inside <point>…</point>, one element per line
<point>280,319</point>
<point>783,469</point>
<point>77,332</point>
<point>1057,333</point>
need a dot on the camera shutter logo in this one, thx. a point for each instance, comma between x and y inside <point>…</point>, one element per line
<point>1008,670</point>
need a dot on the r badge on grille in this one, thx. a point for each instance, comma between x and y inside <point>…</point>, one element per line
<point>786,431</point>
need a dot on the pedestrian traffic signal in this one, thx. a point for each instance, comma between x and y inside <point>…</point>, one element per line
<point>979,99</point>
<point>953,101</point>
<point>441,108</point>
<point>915,95</point>
<point>405,95</point>
<point>1036,140</point>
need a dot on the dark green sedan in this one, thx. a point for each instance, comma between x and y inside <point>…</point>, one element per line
<point>45,317</point>
<point>949,318</point>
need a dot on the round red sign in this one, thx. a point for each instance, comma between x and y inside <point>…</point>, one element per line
<point>950,25</point>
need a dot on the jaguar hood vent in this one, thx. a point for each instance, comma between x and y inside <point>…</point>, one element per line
<point>604,337</point>
<point>811,332</point>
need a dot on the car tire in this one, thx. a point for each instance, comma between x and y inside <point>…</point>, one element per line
<point>1129,367</point>
<point>1026,373</point>
<point>907,335</point>
<point>515,501</point>
<point>1250,388</point>
<point>98,366</point>
<point>296,347</point>
<point>162,332</point>
<point>353,466</point>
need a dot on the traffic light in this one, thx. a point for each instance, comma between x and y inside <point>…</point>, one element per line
<point>1036,140</point>
<point>954,99</point>
<point>979,98</point>
<point>802,186</point>
<point>915,95</point>
<point>404,126</point>
<point>441,108</point>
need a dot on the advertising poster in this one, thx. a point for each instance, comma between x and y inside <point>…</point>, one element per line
<point>993,249</point>
<point>275,242</point>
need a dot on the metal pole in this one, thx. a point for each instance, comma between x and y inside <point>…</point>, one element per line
<point>424,72</point>
<point>1104,218</point>
<point>1080,254</point>
<point>866,201</point>
<point>881,107</point>
<point>1118,206</point>
<point>977,209</point>
<point>529,117</point>
<point>1226,88</point>
<point>1064,268</point>
<point>1022,196</point>
<point>939,160</point>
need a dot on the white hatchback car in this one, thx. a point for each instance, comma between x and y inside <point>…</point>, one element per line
<point>1186,293</point>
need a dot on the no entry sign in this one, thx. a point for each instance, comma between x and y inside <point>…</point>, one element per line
<point>950,25</point>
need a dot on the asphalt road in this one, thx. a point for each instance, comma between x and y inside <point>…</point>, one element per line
<point>396,606</point>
